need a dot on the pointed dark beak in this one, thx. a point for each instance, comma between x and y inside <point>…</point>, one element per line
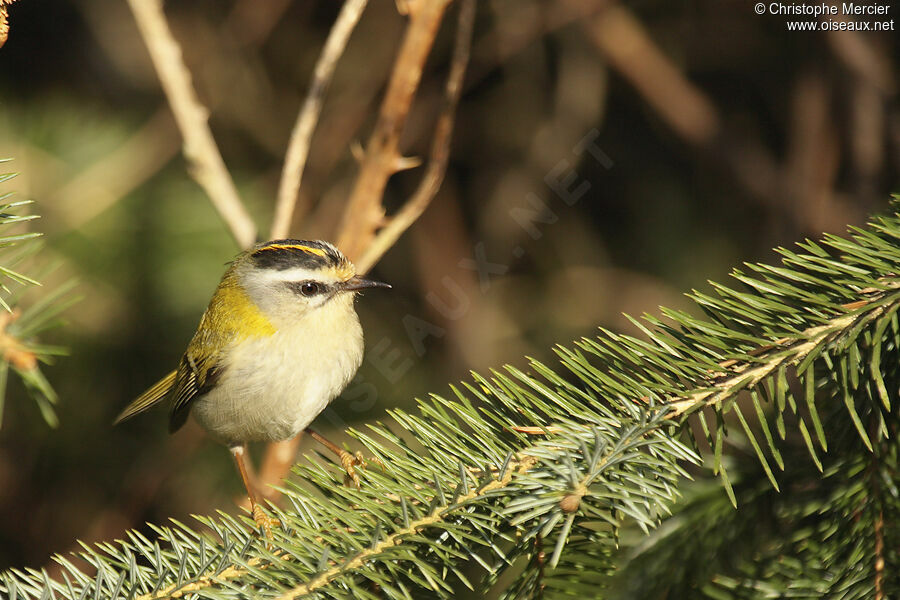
<point>358,283</point>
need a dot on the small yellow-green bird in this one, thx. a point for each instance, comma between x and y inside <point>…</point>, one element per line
<point>278,342</point>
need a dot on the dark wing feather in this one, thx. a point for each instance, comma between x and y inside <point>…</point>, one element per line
<point>190,382</point>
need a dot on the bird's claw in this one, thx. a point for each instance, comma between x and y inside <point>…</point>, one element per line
<point>264,521</point>
<point>350,461</point>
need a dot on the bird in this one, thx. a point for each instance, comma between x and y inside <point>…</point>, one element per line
<point>278,342</point>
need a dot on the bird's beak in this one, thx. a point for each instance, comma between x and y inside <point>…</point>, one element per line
<point>358,283</point>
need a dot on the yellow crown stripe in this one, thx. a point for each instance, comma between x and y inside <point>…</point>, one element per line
<point>302,248</point>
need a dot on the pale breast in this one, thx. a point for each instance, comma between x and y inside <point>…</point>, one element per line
<point>272,388</point>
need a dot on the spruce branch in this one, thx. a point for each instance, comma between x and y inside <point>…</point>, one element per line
<point>817,538</point>
<point>737,375</point>
<point>20,350</point>
<point>394,533</point>
<point>545,467</point>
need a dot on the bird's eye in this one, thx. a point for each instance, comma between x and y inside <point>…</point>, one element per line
<point>309,288</point>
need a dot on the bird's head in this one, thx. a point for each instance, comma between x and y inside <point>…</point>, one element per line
<point>289,279</point>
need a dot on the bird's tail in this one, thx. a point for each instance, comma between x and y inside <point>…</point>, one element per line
<point>149,398</point>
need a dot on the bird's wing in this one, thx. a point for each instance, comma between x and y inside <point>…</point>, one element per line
<point>192,380</point>
<point>149,398</point>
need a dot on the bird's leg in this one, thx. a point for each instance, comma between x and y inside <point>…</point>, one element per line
<point>240,458</point>
<point>348,461</point>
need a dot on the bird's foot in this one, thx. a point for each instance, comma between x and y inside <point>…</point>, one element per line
<point>264,521</point>
<point>351,461</point>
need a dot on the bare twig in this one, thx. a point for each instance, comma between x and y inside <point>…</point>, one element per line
<point>440,147</point>
<point>813,158</point>
<point>298,149</point>
<point>520,28</point>
<point>277,461</point>
<point>862,56</point>
<point>4,21</point>
<point>364,213</point>
<point>625,43</point>
<point>200,149</point>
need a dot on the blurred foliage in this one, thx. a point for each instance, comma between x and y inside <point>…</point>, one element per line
<point>805,141</point>
<point>20,350</point>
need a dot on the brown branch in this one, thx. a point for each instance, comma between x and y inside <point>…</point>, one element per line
<point>489,52</point>
<point>863,57</point>
<point>12,350</point>
<point>500,44</point>
<point>691,113</point>
<point>626,44</point>
<point>277,461</point>
<point>440,147</point>
<point>200,150</point>
<point>298,148</point>
<point>364,213</point>
<point>4,21</point>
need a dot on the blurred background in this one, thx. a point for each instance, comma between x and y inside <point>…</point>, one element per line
<point>607,157</point>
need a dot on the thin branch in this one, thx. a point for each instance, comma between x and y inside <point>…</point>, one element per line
<point>525,464</point>
<point>200,150</point>
<point>496,47</point>
<point>627,45</point>
<point>277,461</point>
<point>298,148</point>
<point>4,21</point>
<point>517,467</point>
<point>364,213</point>
<point>440,148</point>
<point>783,352</point>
